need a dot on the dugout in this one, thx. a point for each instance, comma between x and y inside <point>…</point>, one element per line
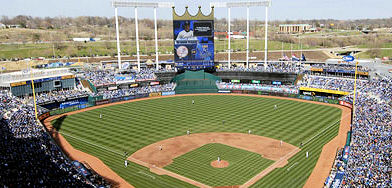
<point>196,82</point>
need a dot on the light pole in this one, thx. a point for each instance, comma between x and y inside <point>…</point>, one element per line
<point>247,4</point>
<point>135,4</point>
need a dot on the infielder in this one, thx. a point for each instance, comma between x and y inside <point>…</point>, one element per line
<point>188,132</point>
<point>100,116</point>
<point>160,147</point>
<point>249,131</point>
<point>126,163</point>
<point>307,154</point>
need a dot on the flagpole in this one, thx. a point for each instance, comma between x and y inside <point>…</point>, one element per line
<point>282,49</point>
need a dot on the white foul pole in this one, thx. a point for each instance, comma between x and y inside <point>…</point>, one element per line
<point>137,41</point>
<point>266,37</point>
<point>118,39</point>
<point>229,35</point>
<point>156,37</point>
<point>247,37</point>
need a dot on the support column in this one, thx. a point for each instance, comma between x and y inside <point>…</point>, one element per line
<point>266,37</point>
<point>229,35</point>
<point>156,38</point>
<point>118,39</point>
<point>137,41</point>
<point>247,37</point>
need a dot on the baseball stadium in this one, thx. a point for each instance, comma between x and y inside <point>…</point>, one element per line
<point>195,121</point>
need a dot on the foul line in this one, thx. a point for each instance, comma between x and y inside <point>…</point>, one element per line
<point>116,152</point>
<point>288,169</point>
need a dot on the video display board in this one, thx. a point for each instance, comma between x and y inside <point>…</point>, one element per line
<point>193,42</point>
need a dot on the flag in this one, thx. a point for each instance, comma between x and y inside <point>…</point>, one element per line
<point>303,58</point>
<point>294,58</point>
<point>286,58</point>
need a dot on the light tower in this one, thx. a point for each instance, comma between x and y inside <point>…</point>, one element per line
<point>135,4</point>
<point>247,4</point>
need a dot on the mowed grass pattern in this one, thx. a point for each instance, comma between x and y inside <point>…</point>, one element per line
<point>243,165</point>
<point>131,126</point>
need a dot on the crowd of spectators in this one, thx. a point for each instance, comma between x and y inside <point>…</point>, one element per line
<point>105,77</point>
<point>282,67</point>
<point>137,90</point>
<point>59,95</point>
<point>369,163</point>
<point>30,158</point>
<point>340,67</point>
<point>332,83</point>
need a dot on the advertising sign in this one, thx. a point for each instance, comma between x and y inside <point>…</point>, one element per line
<point>154,83</point>
<point>344,103</point>
<point>166,93</point>
<point>338,179</point>
<point>348,58</point>
<point>193,40</point>
<point>69,104</point>
<point>255,81</point>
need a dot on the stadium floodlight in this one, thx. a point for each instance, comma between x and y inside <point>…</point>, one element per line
<point>247,4</point>
<point>116,4</point>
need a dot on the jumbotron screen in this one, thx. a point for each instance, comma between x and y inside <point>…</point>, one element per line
<point>193,44</point>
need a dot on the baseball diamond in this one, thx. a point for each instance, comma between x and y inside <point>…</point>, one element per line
<point>131,126</point>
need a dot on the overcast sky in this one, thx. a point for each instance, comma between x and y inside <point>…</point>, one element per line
<point>280,10</point>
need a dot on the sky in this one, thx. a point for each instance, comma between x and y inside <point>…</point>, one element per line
<point>280,10</point>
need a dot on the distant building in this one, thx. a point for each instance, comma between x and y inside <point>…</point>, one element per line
<point>295,28</point>
<point>86,39</point>
<point>12,26</point>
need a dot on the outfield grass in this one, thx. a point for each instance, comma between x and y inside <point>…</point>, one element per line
<point>243,165</point>
<point>129,127</point>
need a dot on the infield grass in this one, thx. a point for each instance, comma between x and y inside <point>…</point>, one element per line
<point>132,126</point>
<point>243,165</point>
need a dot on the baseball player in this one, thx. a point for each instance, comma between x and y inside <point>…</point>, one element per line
<point>307,154</point>
<point>219,159</point>
<point>188,132</point>
<point>276,107</point>
<point>193,101</point>
<point>249,131</point>
<point>160,147</point>
<point>281,143</point>
<point>126,163</point>
<point>100,116</point>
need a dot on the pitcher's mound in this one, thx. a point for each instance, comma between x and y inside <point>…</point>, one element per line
<point>221,164</point>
